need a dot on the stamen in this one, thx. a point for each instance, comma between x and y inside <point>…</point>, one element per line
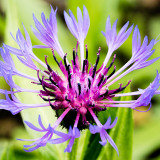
<point>65,61</point>
<point>49,68</point>
<point>86,52</point>
<point>38,76</point>
<point>84,63</point>
<point>101,80</point>
<point>47,72</point>
<point>48,91</point>
<point>120,88</point>
<point>112,62</point>
<point>74,56</point>
<point>45,99</point>
<point>50,78</point>
<point>52,106</point>
<point>69,81</point>
<point>79,88</point>
<point>67,99</point>
<point>55,57</point>
<point>47,85</point>
<point>68,69</point>
<point>112,72</point>
<point>95,66</point>
<point>89,83</point>
<point>97,59</point>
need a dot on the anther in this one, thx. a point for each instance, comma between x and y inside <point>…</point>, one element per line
<point>84,63</point>
<point>120,88</point>
<point>49,68</point>
<point>79,88</point>
<point>69,81</point>
<point>97,60</point>
<point>67,99</point>
<point>45,99</point>
<point>50,78</point>
<point>48,91</point>
<point>68,69</point>
<point>101,80</point>
<point>112,72</point>
<point>52,106</point>
<point>95,66</point>
<point>55,57</point>
<point>43,85</point>
<point>86,52</point>
<point>39,77</point>
<point>65,61</point>
<point>126,85</point>
<point>89,83</point>
<point>112,62</point>
<point>94,70</point>
<point>74,56</point>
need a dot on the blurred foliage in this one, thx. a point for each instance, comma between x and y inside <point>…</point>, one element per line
<point>146,139</point>
<point>122,134</point>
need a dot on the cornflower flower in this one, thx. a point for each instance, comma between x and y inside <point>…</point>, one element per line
<point>82,92</point>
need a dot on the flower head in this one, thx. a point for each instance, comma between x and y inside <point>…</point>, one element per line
<point>83,90</point>
<point>39,142</point>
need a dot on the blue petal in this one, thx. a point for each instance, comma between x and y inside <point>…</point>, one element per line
<point>86,21</point>
<point>58,140</point>
<point>40,122</point>
<point>77,132</point>
<point>94,129</point>
<point>33,127</point>
<point>112,143</point>
<point>113,124</point>
<point>107,123</point>
<point>145,98</point>
<point>69,146</point>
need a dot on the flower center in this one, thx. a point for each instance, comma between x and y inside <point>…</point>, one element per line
<point>79,89</point>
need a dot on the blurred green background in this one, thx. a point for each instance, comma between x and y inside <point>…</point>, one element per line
<point>144,13</point>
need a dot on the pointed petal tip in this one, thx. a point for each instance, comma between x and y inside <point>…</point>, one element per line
<point>84,8</point>
<point>103,143</point>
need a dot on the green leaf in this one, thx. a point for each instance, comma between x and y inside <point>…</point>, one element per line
<point>94,148</point>
<point>3,149</point>
<point>122,135</point>
<point>9,150</point>
<point>8,154</point>
<point>2,26</point>
<point>147,138</point>
<point>83,142</point>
